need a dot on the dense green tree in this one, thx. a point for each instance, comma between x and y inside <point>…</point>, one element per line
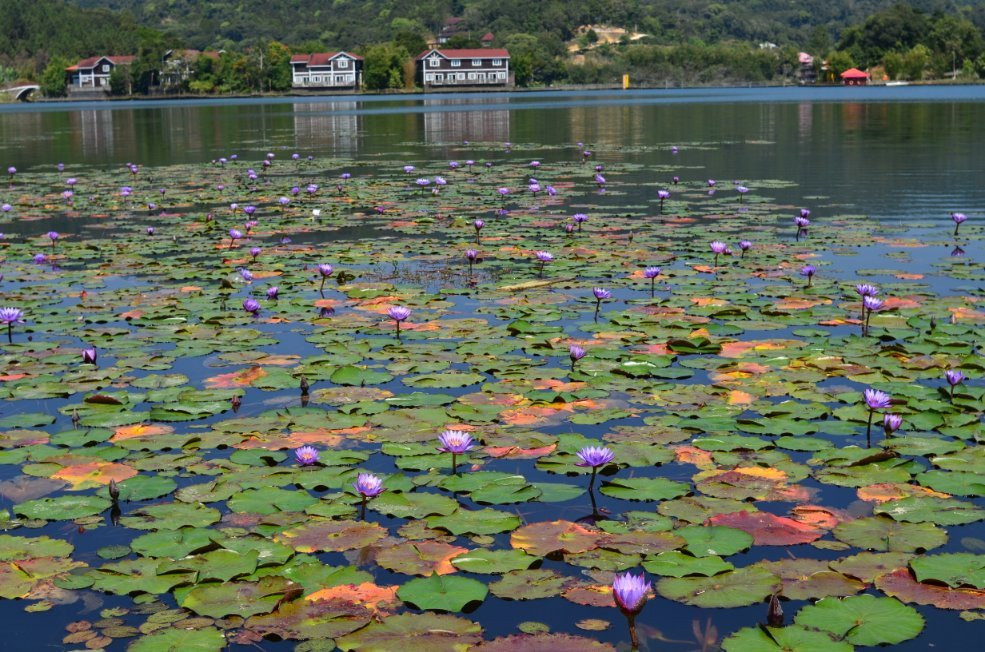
<point>120,82</point>
<point>54,79</point>
<point>383,66</point>
<point>839,61</point>
<point>413,42</point>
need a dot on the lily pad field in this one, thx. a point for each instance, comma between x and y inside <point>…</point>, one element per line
<point>284,398</point>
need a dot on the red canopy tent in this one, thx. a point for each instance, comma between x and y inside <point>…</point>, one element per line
<point>854,77</point>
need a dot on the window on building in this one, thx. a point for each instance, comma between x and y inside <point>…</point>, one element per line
<point>472,76</point>
<point>497,62</point>
<point>476,62</point>
<point>456,63</point>
<point>343,63</point>
<point>105,67</point>
<point>461,76</point>
<point>434,62</point>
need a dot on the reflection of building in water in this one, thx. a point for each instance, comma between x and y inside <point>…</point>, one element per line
<point>94,129</point>
<point>805,119</point>
<point>327,124</point>
<point>447,121</point>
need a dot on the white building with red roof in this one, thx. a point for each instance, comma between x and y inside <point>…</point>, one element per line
<point>460,68</point>
<point>93,73</point>
<point>327,70</point>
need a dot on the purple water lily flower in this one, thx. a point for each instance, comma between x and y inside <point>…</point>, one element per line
<point>630,593</point>
<point>11,316</point>
<point>599,181</point>
<point>6,208</point>
<point>11,171</point>
<point>255,251</point>
<point>453,165</point>
<point>408,169</point>
<point>234,235</point>
<point>594,456</point>
<point>456,442</point>
<point>368,485</point>
<point>246,275</point>
<point>544,257</point>
<point>71,181</point>
<point>954,378</point>
<point>53,236</point>
<point>808,271</point>
<point>126,191</point>
<point>673,149</point>
<point>870,304</point>
<point>601,294</point>
<point>579,219</point>
<point>675,179</point>
<point>745,246</point>
<point>251,306</point>
<point>40,259</point>
<point>306,455</point>
<point>742,190</point>
<point>250,210</point>
<point>711,183</point>
<point>891,423</point>
<point>717,247</point>
<point>272,292</point>
<point>663,195</point>
<point>576,353</point>
<point>534,188</point>
<point>471,255</point>
<point>345,176</point>
<point>874,400</point>
<point>535,164</point>
<point>284,201</point>
<point>89,355</point>
<point>651,273</point>
<point>569,228</point>
<point>478,224</point>
<point>398,314</point>
<point>958,218</point>
<point>325,270</point>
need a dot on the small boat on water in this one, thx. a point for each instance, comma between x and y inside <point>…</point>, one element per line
<point>897,83</point>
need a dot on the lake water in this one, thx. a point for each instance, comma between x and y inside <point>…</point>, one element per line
<point>881,168</point>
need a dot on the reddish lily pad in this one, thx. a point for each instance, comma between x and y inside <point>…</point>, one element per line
<point>768,529</point>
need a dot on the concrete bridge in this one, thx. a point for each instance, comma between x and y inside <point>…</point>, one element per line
<point>21,93</point>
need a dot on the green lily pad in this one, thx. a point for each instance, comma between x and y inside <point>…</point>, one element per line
<point>863,619</point>
<point>63,507</point>
<point>442,592</point>
<point>783,639</point>
<point>207,639</point>
<point>884,534</point>
<point>737,588</point>
<point>954,569</point>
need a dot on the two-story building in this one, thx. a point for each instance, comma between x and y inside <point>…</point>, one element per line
<point>458,68</point>
<point>327,70</point>
<point>93,73</point>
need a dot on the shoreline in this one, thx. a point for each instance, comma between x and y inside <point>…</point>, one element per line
<point>474,90</point>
